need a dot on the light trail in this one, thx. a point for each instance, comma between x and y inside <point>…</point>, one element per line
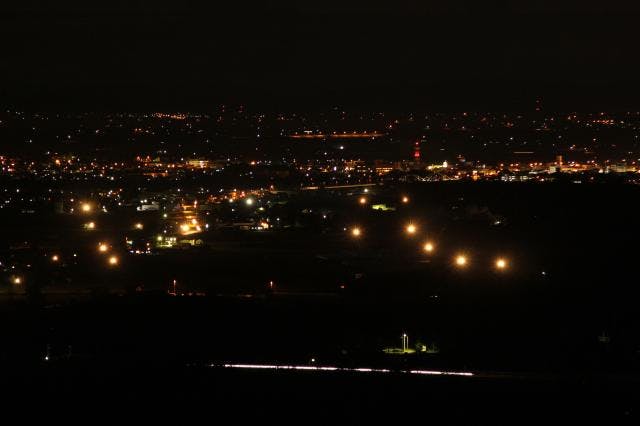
<point>341,369</point>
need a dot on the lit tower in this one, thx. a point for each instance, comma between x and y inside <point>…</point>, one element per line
<point>416,152</point>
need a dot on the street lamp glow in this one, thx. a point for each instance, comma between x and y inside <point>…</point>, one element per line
<point>428,247</point>
<point>17,280</point>
<point>363,200</point>
<point>138,225</point>
<point>113,260</point>
<point>55,258</point>
<point>501,263</point>
<point>103,248</point>
<point>86,207</point>
<point>461,260</point>
<point>249,201</point>
<point>405,199</point>
<point>356,232</point>
<point>91,225</point>
<point>411,229</point>
<point>184,227</point>
<point>194,221</point>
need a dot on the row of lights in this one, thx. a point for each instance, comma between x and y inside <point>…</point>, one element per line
<point>460,260</point>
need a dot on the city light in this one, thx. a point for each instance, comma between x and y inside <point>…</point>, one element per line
<point>194,221</point>
<point>90,225</point>
<point>501,264</point>
<point>428,247</point>
<point>17,280</point>
<point>356,232</point>
<point>103,248</point>
<point>113,260</point>
<point>86,207</point>
<point>249,201</point>
<point>363,200</point>
<point>55,258</point>
<point>184,227</point>
<point>138,225</point>
<point>461,260</point>
<point>405,199</point>
<point>411,229</point>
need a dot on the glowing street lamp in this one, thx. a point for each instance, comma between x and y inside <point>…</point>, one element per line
<point>356,232</point>
<point>90,225</point>
<point>428,247</point>
<point>103,248</point>
<point>363,200</point>
<point>55,258</point>
<point>411,229</point>
<point>249,201</point>
<point>138,226</point>
<point>185,227</point>
<point>17,280</point>
<point>501,264</point>
<point>113,260</point>
<point>461,261</point>
<point>405,199</point>
<point>85,207</point>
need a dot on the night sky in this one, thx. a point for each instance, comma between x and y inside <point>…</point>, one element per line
<point>132,55</point>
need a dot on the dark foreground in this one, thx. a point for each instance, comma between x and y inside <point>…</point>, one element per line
<point>161,359</point>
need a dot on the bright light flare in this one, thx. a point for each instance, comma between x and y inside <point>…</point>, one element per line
<point>405,199</point>
<point>55,258</point>
<point>103,248</point>
<point>363,200</point>
<point>428,247</point>
<point>184,227</point>
<point>501,263</point>
<point>91,225</point>
<point>85,207</point>
<point>113,260</point>
<point>17,280</point>
<point>138,225</point>
<point>249,201</point>
<point>411,229</point>
<point>356,232</point>
<point>461,260</point>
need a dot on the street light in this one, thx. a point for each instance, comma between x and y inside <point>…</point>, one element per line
<point>428,247</point>
<point>90,225</point>
<point>461,261</point>
<point>85,207</point>
<point>113,260</point>
<point>501,264</point>
<point>249,201</point>
<point>103,248</point>
<point>17,280</point>
<point>356,232</point>
<point>405,199</point>
<point>138,225</point>
<point>363,200</point>
<point>55,258</point>
<point>411,229</point>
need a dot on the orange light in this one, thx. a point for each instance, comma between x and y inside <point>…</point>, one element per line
<point>461,261</point>
<point>55,258</point>
<point>113,260</point>
<point>501,263</point>
<point>356,232</point>
<point>405,199</point>
<point>428,247</point>
<point>363,200</point>
<point>411,228</point>
<point>103,248</point>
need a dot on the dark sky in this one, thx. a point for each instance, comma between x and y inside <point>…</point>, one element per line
<point>403,54</point>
